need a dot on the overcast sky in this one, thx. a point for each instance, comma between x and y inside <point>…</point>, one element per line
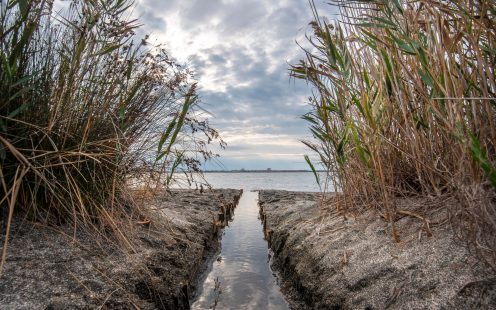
<point>240,50</point>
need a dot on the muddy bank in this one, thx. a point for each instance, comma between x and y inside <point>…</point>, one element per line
<point>328,261</point>
<point>47,269</point>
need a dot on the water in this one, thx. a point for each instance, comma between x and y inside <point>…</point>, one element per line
<point>241,277</point>
<point>291,181</point>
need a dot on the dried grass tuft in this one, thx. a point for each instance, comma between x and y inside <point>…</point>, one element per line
<point>404,105</point>
<point>86,106</point>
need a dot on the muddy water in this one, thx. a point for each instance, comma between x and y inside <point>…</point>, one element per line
<point>241,277</point>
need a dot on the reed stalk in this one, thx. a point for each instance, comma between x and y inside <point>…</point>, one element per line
<point>405,105</point>
<point>86,106</point>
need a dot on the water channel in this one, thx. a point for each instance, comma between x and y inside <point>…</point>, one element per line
<point>241,277</point>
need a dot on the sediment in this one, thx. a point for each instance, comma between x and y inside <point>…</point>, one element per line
<point>328,260</point>
<point>59,268</point>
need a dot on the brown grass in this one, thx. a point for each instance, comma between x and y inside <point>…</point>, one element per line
<point>405,105</point>
<point>85,106</point>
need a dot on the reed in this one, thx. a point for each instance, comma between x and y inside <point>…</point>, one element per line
<point>86,105</point>
<point>404,105</point>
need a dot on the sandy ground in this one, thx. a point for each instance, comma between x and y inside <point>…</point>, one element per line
<point>328,261</point>
<point>47,269</point>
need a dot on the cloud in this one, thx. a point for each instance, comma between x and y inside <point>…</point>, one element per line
<point>153,22</point>
<point>240,51</point>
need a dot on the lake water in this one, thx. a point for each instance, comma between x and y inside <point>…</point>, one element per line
<point>291,181</point>
<point>241,277</point>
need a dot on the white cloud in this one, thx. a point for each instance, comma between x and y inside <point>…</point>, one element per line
<point>239,50</point>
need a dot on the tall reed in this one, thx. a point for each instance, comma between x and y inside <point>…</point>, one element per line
<point>85,105</point>
<point>405,105</point>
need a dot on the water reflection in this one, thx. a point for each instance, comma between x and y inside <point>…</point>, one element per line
<point>241,278</point>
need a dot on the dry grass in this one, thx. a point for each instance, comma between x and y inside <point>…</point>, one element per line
<point>405,105</point>
<point>86,105</point>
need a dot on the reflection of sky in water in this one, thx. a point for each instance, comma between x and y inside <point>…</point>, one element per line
<point>246,281</point>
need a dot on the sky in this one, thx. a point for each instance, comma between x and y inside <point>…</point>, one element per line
<point>240,51</point>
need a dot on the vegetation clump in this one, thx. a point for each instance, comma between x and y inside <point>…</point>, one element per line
<point>84,104</point>
<point>405,105</point>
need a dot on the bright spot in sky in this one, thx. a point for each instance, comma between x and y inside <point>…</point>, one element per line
<point>241,51</point>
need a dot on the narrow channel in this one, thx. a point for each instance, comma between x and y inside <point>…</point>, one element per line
<point>241,277</point>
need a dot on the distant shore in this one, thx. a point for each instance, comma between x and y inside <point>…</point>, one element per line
<point>258,171</point>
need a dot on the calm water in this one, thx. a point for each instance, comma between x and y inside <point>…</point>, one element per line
<point>291,181</point>
<point>241,277</point>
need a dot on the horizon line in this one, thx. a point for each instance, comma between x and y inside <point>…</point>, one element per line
<point>263,170</point>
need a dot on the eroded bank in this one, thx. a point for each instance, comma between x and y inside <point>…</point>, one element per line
<point>48,269</point>
<point>331,261</point>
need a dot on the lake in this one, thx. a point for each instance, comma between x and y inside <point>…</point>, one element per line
<point>291,181</point>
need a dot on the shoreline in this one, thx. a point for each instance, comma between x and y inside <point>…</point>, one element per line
<point>323,260</point>
<point>330,261</point>
<point>46,269</point>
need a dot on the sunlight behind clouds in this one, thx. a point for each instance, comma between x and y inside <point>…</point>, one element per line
<point>240,51</point>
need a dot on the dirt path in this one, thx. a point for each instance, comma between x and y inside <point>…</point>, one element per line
<point>328,261</point>
<point>47,270</point>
